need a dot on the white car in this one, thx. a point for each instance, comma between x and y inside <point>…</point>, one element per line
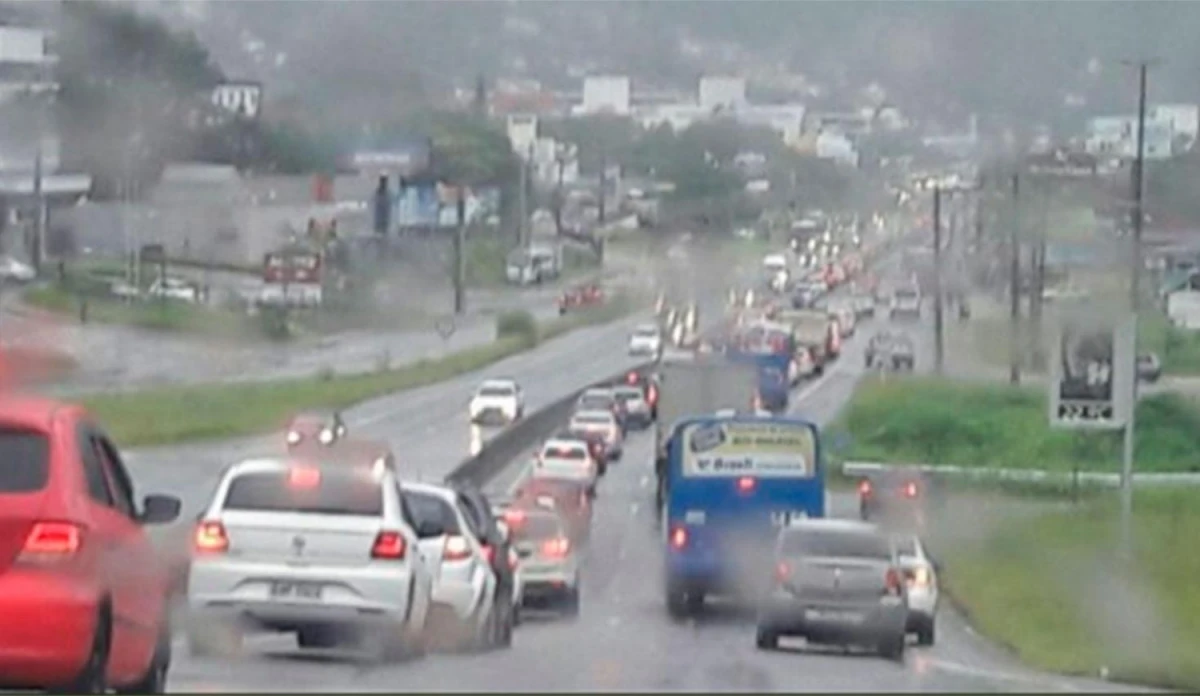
<point>327,552</point>
<point>464,585</point>
<point>603,422</point>
<point>16,271</point>
<point>514,560</point>
<point>846,318</point>
<point>497,400</point>
<point>922,580</point>
<point>646,339</point>
<point>634,399</point>
<point>566,459</point>
<point>549,561</point>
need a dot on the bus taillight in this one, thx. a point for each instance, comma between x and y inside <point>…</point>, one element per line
<point>745,484</point>
<point>679,538</point>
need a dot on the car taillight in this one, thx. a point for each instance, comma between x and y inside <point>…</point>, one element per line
<point>652,397</point>
<point>745,484</point>
<point>918,577</point>
<point>304,477</point>
<point>783,571</point>
<point>457,549</point>
<point>556,548</point>
<point>910,489</point>
<point>513,560</point>
<point>489,554</point>
<point>679,538</point>
<point>389,546</point>
<point>210,537</point>
<point>51,541</point>
<point>864,488</point>
<point>891,582</point>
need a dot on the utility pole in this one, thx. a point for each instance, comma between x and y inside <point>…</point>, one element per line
<point>522,239</point>
<point>1014,285</point>
<point>38,252</point>
<point>460,233</point>
<point>603,177</point>
<point>558,195</point>
<point>938,347</point>
<point>1038,269</point>
<point>1135,273</point>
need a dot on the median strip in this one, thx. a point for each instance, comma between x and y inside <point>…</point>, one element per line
<point>170,415</point>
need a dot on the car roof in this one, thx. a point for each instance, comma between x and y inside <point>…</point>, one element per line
<point>32,412</point>
<point>498,382</point>
<point>565,443</point>
<point>597,391</point>
<point>593,413</point>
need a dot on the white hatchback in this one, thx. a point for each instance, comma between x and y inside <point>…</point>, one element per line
<point>497,400</point>
<point>646,339</point>
<point>566,459</point>
<point>605,424</point>
<point>330,553</point>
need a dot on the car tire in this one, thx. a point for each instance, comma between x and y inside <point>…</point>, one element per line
<point>93,677</point>
<point>893,647</point>
<point>926,632</point>
<point>766,639</point>
<point>154,681</point>
<point>571,603</point>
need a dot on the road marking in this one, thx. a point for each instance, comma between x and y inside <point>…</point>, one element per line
<point>969,670</point>
<point>644,482</point>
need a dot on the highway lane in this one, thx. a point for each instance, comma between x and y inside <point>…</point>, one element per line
<point>623,638</point>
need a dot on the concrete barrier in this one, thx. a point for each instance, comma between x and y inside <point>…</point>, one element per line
<point>501,450</point>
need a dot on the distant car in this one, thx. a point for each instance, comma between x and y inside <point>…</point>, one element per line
<point>572,498</point>
<point>549,559</point>
<point>836,581</point>
<point>14,271</point>
<point>646,340</point>
<point>634,401</point>
<point>322,427</point>
<point>596,442</point>
<point>604,423</point>
<point>845,317</point>
<point>580,296</point>
<point>920,574</point>
<point>896,495</point>
<point>890,349</point>
<point>1149,369</point>
<point>864,306</point>
<point>602,399</point>
<point>905,304</point>
<point>497,401</point>
<point>566,459</point>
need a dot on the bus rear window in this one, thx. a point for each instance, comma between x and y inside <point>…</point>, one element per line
<point>24,461</point>
<point>326,493</point>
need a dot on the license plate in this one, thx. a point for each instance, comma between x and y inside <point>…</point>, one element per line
<point>299,590</point>
<point>837,616</point>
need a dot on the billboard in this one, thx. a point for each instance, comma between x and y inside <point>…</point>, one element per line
<point>728,448</point>
<point>1093,363</point>
<point>242,99</point>
<point>434,205</point>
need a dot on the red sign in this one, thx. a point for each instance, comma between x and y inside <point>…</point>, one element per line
<point>302,267</point>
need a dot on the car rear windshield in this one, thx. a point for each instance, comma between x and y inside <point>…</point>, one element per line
<point>593,420</point>
<point>628,394</point>
<point>906,294</point>
<point>496,391</point>
<point>24,461</point>
<point>646,331</point>
<point>906,547</point>
<point>537,528</point>
<point>333,493</point>
<point>431,509</point>
<point>561,452</point>
<point>836,543</point>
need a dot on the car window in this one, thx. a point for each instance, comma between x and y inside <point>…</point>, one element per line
<point>24,461</point>
<point>628,394</point>
<point>431,508</point>
<point>593,420</point>
<point>496,391</point>
<point>332,493</point>
<point>564,452</point>
<point>93,471</point>
<point>119,483</point>
<point>823,543</point>
<point>475,521</point>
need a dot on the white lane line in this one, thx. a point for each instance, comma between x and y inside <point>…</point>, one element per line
<point>998,675</point>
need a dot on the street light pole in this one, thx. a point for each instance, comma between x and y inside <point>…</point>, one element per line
<point>938,319</point>
<point>1014,286</point>
<point>1135,273</point>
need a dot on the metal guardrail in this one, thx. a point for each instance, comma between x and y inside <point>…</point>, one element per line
<point>495,456</point>
<point>1092,478</point>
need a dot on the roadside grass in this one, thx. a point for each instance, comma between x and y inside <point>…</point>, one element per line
<point>925,420</point>
<point>1051,589</point>
<point>167,315</point>
<point>168,415</point>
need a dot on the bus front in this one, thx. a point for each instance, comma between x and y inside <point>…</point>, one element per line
<point>732,482</point>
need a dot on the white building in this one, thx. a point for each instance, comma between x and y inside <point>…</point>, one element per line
<point>606,94</point>
<point>787,120</point>
<point>722,92</point>
<point>550,161</point>
<point>1116,137</point>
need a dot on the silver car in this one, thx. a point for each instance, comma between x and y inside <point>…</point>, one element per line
<point>836,581</point>
<point>549,561</point>
<point>328,552</point>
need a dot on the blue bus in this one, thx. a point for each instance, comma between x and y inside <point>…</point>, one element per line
<point>731,484</point>
<point>771,349</point>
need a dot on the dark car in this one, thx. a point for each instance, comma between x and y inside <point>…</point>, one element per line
<point>319,427</point>
<point>898,495</point>
<point>497,546</point>
<point>838,582</point>
<point>890,349</point>
<point>596,444</point>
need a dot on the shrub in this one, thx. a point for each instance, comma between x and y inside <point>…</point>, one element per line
<point>519,324</point>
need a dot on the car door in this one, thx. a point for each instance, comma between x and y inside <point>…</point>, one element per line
<point>422,570</point>
<point>477,539</point>
<point>480,513</point>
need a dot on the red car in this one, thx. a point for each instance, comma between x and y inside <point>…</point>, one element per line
<point>580,296</point>
<point>83,594</point>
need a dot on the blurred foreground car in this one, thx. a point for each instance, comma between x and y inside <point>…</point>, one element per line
<point>77,569</point>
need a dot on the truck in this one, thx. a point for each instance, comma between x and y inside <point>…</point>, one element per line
<point>699,386</point>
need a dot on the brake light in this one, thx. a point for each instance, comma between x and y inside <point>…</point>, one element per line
<point>679,538</point>
<point>457,549</point>
<point>514,517</point>
<point>864,488</point>
<point>50,541</point>
<point>631,378</point>
<point>303,477</point>
<point>489,554</point>
<point>210,537</point>
<point>918,577</point>
<point>389,546</point>
<point>910,489</point>
<point>745,484</point>
<point>556,548</point>
<point>783,571</point>
<point>892,582</point>
<point>652,397</point>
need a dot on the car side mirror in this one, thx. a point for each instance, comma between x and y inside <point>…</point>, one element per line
<point>430,529</point>
<point>505,532</point>
<point>160,509</point>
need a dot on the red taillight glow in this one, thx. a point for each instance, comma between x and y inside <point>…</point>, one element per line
<point>783,571</point>
<point>210,537</point>
<point>864,488</point>
<point>892,582</point>
<point>679,538</point>
<point>745,484</point>
<point>489,554</point>
<point>304,477</point>
<point>556,548</point>
<point>457,549</point>
<point>631,378</point>
<point>389,546</point>
<point>514,517</point>
<point>52,540</point>
<point>910,489</point>
<point>653,395</point>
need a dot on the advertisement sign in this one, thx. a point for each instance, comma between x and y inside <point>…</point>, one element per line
<point>1093,365</point>
<point>435,205</point>
<point>765,450</point>
<point>242,99</point>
